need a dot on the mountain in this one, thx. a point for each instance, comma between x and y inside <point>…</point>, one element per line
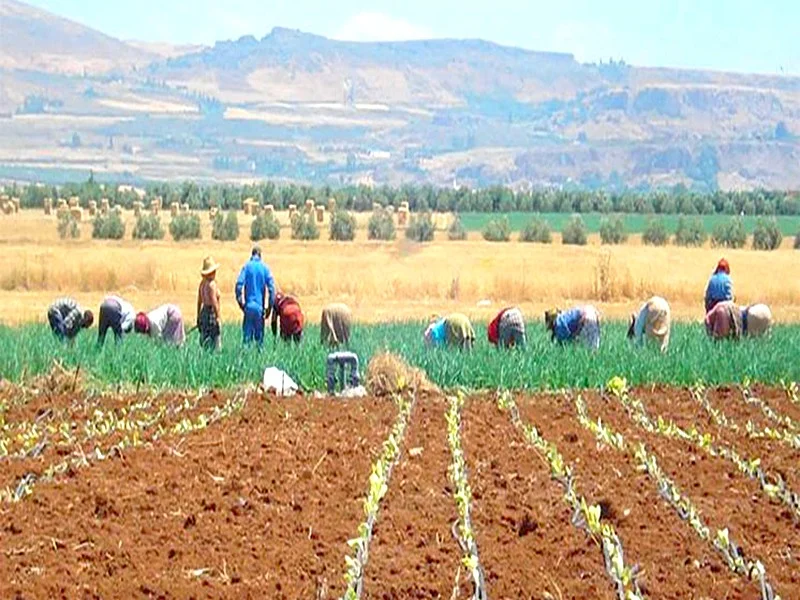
<point>298,106</point>
<point>32,38</point>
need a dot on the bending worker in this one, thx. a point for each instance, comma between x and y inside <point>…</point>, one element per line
<point>652,323</point>
<point>335,325</point>
<point>255,294</point>
<point>115,314</point>
<point>67,319</point>
<point>720,286</point>
<point>756,320</point>
<point>164,322</point>
<point>507,330</point>
<point>453,330</point>
<point>287,311</point>
<point>728,321</point>
<point>578,323</point>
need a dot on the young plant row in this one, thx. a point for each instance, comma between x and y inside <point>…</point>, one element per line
<point>463,497</point>
<point>769,412</point>
<point>792,391</point>
<point>378,486</point>
<point>132,438</point>
<point>585,516</point>
<point>772,484</point>
<point>686,509</point>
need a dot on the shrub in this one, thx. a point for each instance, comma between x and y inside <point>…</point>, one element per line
<point>690,232</point>
<point>185,226</point>
<point>304,227</point>
<point>148,227</point>
<point>108,227</point>
<point>655,232</point>
<point>343,226</point>
<point>456,231</point>
<point>497,230</point>
<point>575,232</point>
<point>612,230</point>
<point>797,241</point>
<point>265,227</point>
<point>536,230</point>
<point>381,226</point>
<point>225,229</point>
<point>729,235</point>
<point>68,227</point>
<point>767,235</point>
<point>420,228</point>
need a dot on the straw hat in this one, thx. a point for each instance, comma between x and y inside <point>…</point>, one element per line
<point>209,266</point>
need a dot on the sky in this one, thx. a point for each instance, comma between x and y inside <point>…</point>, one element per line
<point>732,35</point>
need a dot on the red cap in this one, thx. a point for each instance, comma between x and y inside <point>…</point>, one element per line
<point>723,266</point>
<point>142,323</point>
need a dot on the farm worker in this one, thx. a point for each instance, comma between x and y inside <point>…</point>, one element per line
<point>67,319</point>
<point>580,322</point>
<point>208,313</point>
<point>335,325</point>
<point>724,321</point>
<point>652,323</point>
<point>756,320</point>
<point>255,294</point>
<point>720,286</point>
<point>453,330</point>
<point>116,314</point>
<point>507,329</point>
<point>287,311</point>
<point>164,322</point>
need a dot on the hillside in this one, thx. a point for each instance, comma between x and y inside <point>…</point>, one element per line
<point>299,106</point>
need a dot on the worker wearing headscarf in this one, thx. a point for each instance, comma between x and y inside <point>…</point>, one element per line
<point>163,323</point>
<point>507,329</point>
<point>720,286</point>
<point>652,323</point>
<point>117,315</point>
<point>724,321</point>
<point>335,325</point>
<point>756,320</point>
<point>287,312</point>
<point>578,323</point>
<point>454,330</point>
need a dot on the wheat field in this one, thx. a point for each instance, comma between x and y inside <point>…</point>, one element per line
<point>382,281</point>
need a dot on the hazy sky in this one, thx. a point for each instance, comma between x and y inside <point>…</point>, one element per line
<point>740,35</point>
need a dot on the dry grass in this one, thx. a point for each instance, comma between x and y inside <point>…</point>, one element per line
<point>381,281</point>
<point>389,374</point>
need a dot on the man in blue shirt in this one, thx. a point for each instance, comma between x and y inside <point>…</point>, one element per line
<point>720,286</point>
<point>255,294</point>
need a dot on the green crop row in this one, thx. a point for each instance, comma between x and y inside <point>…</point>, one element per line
<point>30,350</point>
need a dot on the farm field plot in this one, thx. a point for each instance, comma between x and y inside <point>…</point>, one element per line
<point>508,495</point>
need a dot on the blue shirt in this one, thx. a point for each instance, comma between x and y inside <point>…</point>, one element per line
<point>255,278</point>
<point>568,324</point>
<point>720,289</point>
<point>436,333</point>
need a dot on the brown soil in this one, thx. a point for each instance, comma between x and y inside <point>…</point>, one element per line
<point>725,498</point>
<point>674,562</point>
<point>413,553</point>
<point>527,545</point>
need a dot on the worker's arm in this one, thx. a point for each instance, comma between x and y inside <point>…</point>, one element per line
<point>199,304</point>
<point>271,290</point>
<point>274,322</point>
<point>639,323</point>
<point>240,287</point>
<point>215,300</point>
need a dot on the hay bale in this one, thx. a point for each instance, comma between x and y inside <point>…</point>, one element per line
<point>212,212</point>
<point>292,211</point>
<point>118,209</point>
<point>77,213</point>
<point>16,203</point>
<point>104,203</point>
<point>376,207</point>
<point>247,207</point>
<point>48,206</point>
<point>404,206</point>
<point>389,374</point>
<point>402,217</point>
<point>331,205</point>
<point>92,208</point>
<point>174,207</point>
<point>269,210</point>
<point>74,201</point>
<point>185,207</point>
<point>320,213</point>
<point>7,207</point>
<point>4,198</point>
<point>309,208</point>
<point>155,205</point>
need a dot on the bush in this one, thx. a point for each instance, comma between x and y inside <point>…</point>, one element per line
<point>420,228</point>
<point>797,241</point>
<point>148,227</point>
<point>304,227</point>
<point>343,226</point>
<point>690,232</point>
<point>108,227</point>
<point>225,229</point>
<point>68,227</point>
<point>265,227</point>
<point>767,235</point>
<point>381,226</point>
<point>185,226</point>
<point>655,232</point>
<point>456,231</point>
<point>729,235</point>
<point>536,230</point>
<point>575,232</point>
<point>612,230</point>
<point>497,230</point>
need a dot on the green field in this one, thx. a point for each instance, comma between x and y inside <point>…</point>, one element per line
<point>31,349</point>
<point>634,223</point>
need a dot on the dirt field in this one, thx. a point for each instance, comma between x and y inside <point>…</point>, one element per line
<point>177,496</point>
<point>382,281</point>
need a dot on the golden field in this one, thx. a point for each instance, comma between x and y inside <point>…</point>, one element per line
<point>381,280</point>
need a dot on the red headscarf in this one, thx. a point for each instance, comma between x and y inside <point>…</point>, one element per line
<point>723,266</point>
<point>142,323</point>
